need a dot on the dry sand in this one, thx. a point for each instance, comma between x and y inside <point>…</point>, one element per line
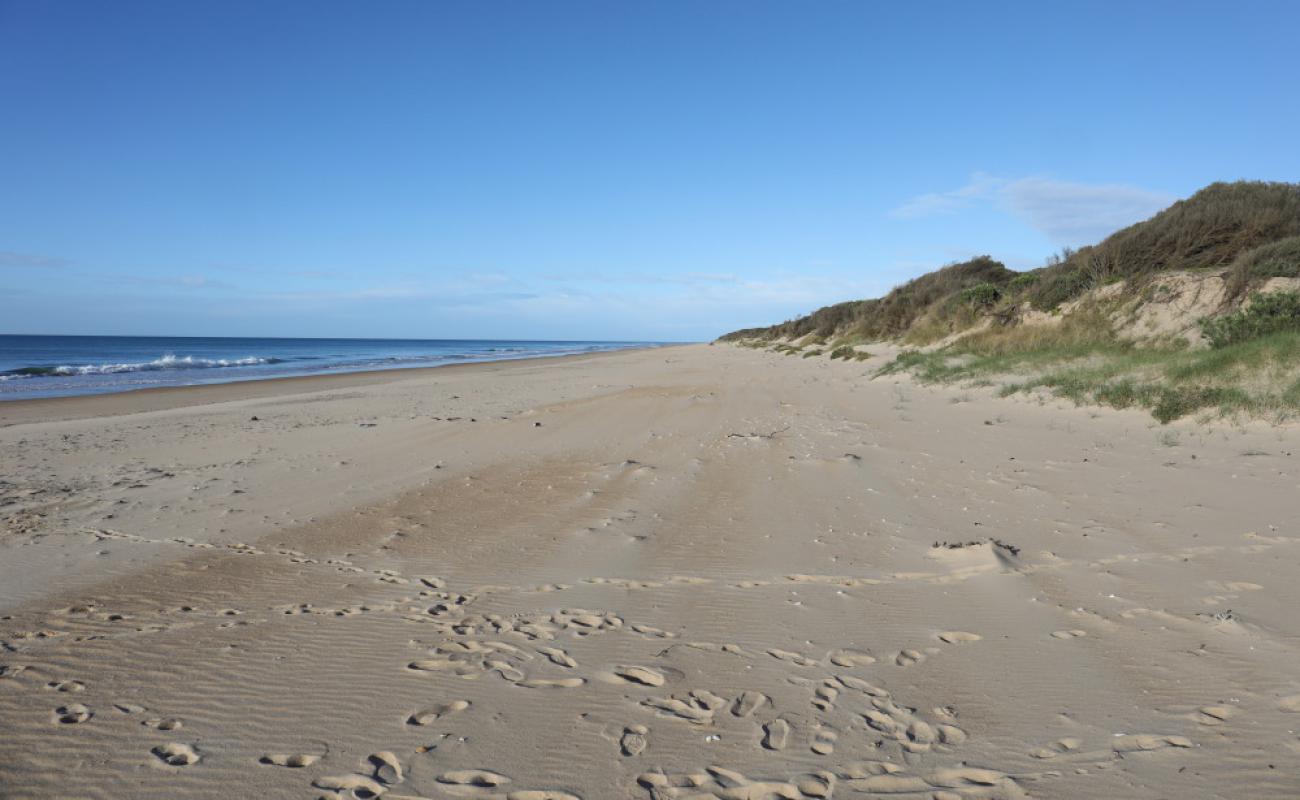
<point>700,572</point>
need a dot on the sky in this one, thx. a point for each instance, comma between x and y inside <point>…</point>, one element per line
<point>593,170</point>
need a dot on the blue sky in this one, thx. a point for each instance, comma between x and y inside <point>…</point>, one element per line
<point>640,170</point>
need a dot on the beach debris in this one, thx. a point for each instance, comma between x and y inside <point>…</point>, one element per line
<point>755,435</point>
<point>998,543</point>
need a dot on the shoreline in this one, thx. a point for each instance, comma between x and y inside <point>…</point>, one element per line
<point>162,398</point>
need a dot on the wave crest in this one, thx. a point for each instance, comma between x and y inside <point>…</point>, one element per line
<point>167,362</point>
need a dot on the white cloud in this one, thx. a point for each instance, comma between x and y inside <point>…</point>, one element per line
<point>980,187</point>
<point>1067,213</point>
<point>1077,213</point>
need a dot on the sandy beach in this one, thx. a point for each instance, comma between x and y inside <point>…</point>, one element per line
<point>690,572</point>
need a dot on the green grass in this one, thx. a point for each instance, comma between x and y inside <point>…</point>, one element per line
<point>846,352</point>
<point>1265,314</point>
<point>1259,377</point>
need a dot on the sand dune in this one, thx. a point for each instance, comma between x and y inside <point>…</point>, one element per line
<point>699,572</point>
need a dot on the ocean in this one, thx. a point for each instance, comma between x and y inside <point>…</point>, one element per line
<point>53,366</point>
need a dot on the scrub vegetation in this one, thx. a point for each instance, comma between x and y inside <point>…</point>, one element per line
<point>1071,328</point>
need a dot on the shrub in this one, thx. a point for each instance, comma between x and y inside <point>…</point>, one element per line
<point>1280,259</point>
<point>1059,287</point>
<point>981,295</point>
<point>891,315</point>
<point>1266,313</point>
<point>1175,402</point>
<point>1024,281</point>
<point>846,352</point>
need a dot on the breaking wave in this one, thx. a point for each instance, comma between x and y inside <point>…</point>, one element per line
<point>167,362</point>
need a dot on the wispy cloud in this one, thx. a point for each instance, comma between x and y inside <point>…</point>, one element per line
<point>1077,213</point>
<point>981,187</point>
<point>9,258</point>
<point>263,271</point>
<point>184,282</point>
<point>1068,213</point>
<point>686,279</point>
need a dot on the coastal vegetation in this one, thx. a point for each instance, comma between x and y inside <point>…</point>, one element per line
<point>1194,311</point>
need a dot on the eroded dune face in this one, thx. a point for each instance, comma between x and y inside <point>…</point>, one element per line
<point>709,572</point>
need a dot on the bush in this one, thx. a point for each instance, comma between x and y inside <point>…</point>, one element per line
<point>891,315</point>
<point>1280,259</point>
<point>981,295</point>
<point>1023,281</point>
<point>1266,313</point>
<point>848,353</point>
<point>1059,287</point>
<point>1175,402</point>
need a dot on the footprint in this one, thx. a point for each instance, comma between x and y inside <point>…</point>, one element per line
<point>823,743</point>
<point>1059,747</point>
<point>1214,715</point>
<point>558,657</point>
<point>165,724</point>
<point>551,683</point>
<point>72,714</point>
<point>176,754</point>
<point>473,777</point>
<point>1131,743</point>
<point>959,637</point>
<point>857,684</point>
<point>642,675</point>
<point>359,785</point>
<point>798,659</point>
<point>388,769</point>
<point>969,778</point>
<point>775,734</point>
<point>850,658</point>
<point>748,703</point>
<point>652,632</point>
<point>1291,704</point>
<point>634,740</point>
<point>818,784</point>
<point>293,760</point>
<point>67,686</point>
<point>507,670</point>
<point>908,658</point>
<point>1070,634</point>
<point>428,716</point>
<point>951,735</point>
<point>698,707</point>
<point>825,696</point>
